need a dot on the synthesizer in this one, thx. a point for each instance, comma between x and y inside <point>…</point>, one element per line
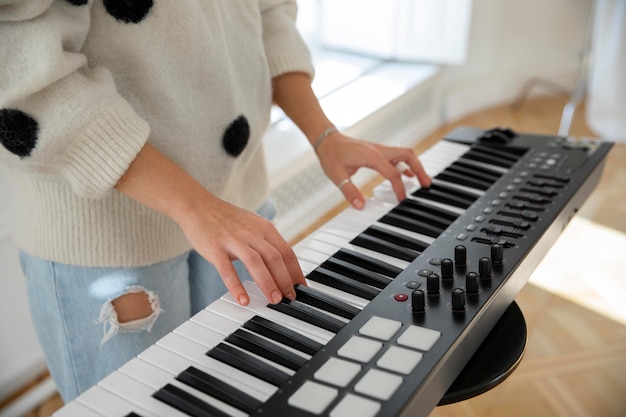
<point>399,297</point>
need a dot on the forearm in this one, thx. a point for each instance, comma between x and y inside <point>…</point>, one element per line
<point>155,181</point>
<point>293,94</point>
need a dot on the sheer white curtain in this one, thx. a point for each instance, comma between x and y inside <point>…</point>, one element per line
<point>606,103</point>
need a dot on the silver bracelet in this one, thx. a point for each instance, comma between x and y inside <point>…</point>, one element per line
<point>321,137</point>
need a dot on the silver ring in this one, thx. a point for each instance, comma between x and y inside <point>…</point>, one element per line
<point>402,166</point>
<point>342,183</point>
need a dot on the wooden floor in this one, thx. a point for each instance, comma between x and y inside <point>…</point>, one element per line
<point>574,304</point>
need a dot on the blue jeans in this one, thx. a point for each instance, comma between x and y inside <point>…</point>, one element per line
<point>77,326</point>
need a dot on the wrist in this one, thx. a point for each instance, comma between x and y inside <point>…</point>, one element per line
<point>322,136</point>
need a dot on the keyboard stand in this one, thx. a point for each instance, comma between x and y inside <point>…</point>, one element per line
<point>496,358</point>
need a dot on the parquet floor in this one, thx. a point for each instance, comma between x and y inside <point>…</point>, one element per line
<point>574,304</point>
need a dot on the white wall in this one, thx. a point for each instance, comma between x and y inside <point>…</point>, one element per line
<point>511,42</point>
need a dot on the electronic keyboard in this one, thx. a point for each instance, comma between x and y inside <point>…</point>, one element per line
<point>399,297</point>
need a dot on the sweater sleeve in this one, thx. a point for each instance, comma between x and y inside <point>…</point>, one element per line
<point>59,118</point>
<point>285,49</point>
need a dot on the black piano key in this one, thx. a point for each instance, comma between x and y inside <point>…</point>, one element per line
<point>187,403</point>
<point>489,158</point>
<point>510,154</point>
<point>325,302</point>
<point>440,215</point>
<point>282,334</point>
<point>266,349</point>
<point>483,170</point>
<point>308,314</point>
<point>446,195</point>
<point>219,389</point>
<point>357,272</point>
<point>397,238</point>
<point>474,172</point>
<point>462,179</point>
<point>416,214</point>
<point>249,364</point>
<point>368,262</point>
<point>385,247</point>
<point>343,283</point>
<point>132,414</point>
<point>408,223</point>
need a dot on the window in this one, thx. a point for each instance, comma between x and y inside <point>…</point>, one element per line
<point>429,31</point>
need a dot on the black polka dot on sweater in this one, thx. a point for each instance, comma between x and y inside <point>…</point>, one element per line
<point>18,132</point>
<point>236,136</point>
<point>128,11</point>
<point>77,2</point>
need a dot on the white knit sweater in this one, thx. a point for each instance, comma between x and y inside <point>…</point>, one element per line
<point>85,83</point>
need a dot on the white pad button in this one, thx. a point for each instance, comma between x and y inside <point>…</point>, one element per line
<point>360,349</point>
<point>399,360</point>
<point>312,397</point>
<point>337,372</point>
<point>378,384</point>
<point>353,405</point>
<point>380,328</point>
<point>418,338</point>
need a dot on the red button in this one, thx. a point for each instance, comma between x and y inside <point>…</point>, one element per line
<point>401,297</point>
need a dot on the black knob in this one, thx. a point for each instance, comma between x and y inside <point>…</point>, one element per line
<point>447,269</point>
<point>497,253</point>
<point>418,301</point>
<point>471,283</point>
<point>458,299</point>
<point>460,255</point>
<point>484,268</point>
<point>432,284</point>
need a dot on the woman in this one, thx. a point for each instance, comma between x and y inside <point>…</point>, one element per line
<point>132,135</point>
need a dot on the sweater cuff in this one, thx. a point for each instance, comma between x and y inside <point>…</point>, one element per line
<point>97,161</point>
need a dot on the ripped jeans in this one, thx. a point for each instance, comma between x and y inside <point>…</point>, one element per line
<point>74,310</point>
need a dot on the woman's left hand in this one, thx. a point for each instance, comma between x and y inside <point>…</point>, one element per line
<point>341,157</point>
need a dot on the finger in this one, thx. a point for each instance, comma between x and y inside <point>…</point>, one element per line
<point>291,273</point>
<point>231,280</point>
<point>418,169</point>
<point>278,270</point>
<point>352,194</point>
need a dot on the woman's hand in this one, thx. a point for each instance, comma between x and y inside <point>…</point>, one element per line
<point>341,156</point>
<point>217,230</point>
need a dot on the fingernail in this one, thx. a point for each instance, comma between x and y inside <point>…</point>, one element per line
<point>276,297</point>
<point>243,300</point>
<point>291,296</point>
<point>356,203</point>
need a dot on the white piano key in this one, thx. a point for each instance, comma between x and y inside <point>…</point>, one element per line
<point>197,353</point>
<point>485,165</point>
<point>157,378</point>
<point>442,206</point>
<point>342,295</point>
<point>309,255</point>
<point>138,394</point>
<point>339,243</point>
<point>258,304</point>
<point>310,243</point>
<point>463,188</point>
<point>306,266</point>
<point>220,324</point>
<point>106,403</point>
<point>76,409</point>
<point>198,333</point>
<point>407,233</point>
<point>230,309</point>
<point>174,364</point>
